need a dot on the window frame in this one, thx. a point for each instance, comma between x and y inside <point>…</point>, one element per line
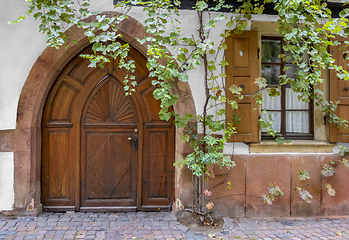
<point>310,110</point>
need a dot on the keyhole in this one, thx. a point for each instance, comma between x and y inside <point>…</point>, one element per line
<point>241,53</point>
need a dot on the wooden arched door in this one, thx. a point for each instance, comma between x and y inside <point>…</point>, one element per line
<point>101,150</point>
<point>109,146</point>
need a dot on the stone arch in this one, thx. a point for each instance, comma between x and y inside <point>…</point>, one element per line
<point>27,159</point>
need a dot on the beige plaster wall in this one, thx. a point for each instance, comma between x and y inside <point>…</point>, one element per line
<point>20,46</point>
<point>6,181</point>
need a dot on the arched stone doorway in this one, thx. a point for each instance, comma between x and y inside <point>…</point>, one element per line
<point>102,150</point>
<point>46,69</point>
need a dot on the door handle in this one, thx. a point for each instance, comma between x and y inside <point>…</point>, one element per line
<point>135,142</point>
<point>134,139</point>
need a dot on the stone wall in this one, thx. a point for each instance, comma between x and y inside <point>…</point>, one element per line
<point>253,173</point>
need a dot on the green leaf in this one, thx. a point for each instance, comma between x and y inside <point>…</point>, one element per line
<point>165,116</point>
<point>223,63</point>
<point>304,175</point>
<point>149,21</point>
<point>201,5</point>
<point>346,30</point>
<point>261,82</point>
<point>263,123</point>
<point>183,77</point>
<point>273,92</point>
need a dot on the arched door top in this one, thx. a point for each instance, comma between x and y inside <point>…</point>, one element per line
<point>109,106</point>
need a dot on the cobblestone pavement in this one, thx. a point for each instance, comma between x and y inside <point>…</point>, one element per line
<point>165,226</point>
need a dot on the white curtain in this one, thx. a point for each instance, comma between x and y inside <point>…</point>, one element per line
<point>296,121</point>
<point>272,103</point>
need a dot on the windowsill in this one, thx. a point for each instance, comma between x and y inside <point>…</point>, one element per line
<point>296,146</point>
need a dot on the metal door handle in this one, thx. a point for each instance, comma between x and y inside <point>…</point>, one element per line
<point>135,142</point>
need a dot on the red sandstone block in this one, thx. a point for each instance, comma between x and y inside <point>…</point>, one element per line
<point>229,202</point>
<point>260,171</point>
<point>311,163</point>
<point>337,205</point>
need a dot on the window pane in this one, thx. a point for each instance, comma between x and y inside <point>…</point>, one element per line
<point>289,57</point>
<point>271,49</point>
<point>297,122</point>
<point>276,117</point>
<point>292,71</point>
<point>292,101</point>
<point>271,73</point>
<point>270,103</point>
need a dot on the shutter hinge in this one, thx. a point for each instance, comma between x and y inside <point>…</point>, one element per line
<point>258,51</point>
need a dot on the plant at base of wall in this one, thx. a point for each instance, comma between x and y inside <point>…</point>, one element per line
<point>203,208</point>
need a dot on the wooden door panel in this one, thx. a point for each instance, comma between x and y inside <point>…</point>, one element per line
<point>157,165</point>
<point>61,105</point>
<point>244,113</point>
<point>151,104</point>
<point>343,112</point>
<point>241,54</point>
<point>158,169</point>
<point>108,167</point>
<point>58,193</point>
<point>58,165</point>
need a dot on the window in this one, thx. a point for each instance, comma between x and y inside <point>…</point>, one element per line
<point>293,119</point>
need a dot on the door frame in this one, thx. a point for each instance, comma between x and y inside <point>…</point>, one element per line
<point>26,138</point>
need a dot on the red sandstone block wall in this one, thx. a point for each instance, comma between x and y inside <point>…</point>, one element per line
<point>253,173</point>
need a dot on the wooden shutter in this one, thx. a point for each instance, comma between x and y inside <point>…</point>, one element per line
<point>339,91</point>
<point>242,54</point>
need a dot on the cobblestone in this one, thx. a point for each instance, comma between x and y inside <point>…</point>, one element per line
<point>161,225</point>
